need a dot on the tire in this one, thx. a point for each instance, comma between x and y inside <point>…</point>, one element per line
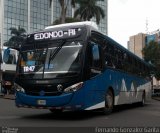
<point>109,103</point>
<point>142,103</point>
<point>56,111</point>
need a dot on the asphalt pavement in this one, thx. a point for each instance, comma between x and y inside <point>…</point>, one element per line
<point>122,116</point>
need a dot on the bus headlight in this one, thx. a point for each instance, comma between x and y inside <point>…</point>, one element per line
<point>18,88</point>
<point>74,87</point>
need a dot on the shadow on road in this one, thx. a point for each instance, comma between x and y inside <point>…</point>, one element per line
<point>121,108</point>
<point>81,115</point>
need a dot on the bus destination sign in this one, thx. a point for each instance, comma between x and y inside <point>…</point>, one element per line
<point>56,34</point>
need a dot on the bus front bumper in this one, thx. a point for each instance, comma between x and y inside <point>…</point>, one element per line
<point>66,101</point>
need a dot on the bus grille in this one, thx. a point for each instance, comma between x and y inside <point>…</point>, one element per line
<point>43,91</point>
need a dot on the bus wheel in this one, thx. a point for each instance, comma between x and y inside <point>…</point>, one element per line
<point>142,103</point>
<point>109,101</point>
<point>56,111</point>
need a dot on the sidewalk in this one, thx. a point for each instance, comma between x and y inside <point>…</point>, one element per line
<point>10,96</point>
<point>156,98</point>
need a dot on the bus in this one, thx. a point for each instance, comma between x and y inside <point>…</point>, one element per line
<point>8,69</point>
<point>73,67</point>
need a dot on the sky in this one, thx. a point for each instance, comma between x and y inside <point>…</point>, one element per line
<point>129,17</point>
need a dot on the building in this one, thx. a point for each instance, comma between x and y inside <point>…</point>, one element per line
<point>103,26</point>
<point>136,44</point>
<point>153,36</point>
<point>32,15</point>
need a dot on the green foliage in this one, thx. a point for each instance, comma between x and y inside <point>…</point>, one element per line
<point>17,39</point>
<point>151,54</point>
<point>89,9</point>
<point>17,32</point>
<point>64,5</point>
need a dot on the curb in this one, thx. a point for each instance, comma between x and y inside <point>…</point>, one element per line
<point>10,97</point>
<point>156,98</point>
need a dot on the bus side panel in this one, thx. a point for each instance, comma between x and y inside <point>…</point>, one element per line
<point>127,89</point>
<point>131,89</point>
<point>96,89</point>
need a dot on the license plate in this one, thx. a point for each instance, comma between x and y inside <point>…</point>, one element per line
<point>41,102</point>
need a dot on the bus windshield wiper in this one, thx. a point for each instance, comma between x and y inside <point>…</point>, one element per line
<point>55,52</point>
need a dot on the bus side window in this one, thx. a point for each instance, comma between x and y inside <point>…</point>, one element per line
<point>95,57</point>
<point>108,60</point>
<point>109,57</point>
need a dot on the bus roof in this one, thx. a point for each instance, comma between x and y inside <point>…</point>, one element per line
<point>93,25</point>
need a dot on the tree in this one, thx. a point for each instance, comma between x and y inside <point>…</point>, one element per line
<point>151,54</point>
<point>17,39</point>
<point>64,4</point>
<point>89,9</point>
<point>17,32</point>
<point>67,20</point>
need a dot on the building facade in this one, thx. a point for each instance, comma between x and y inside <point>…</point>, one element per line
<point>103,26</point>
<point>32,15</point>
<point>136,44</point>
<point>153,36</point>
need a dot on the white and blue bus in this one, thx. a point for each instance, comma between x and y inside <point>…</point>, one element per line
<point>75,67</point>
<point>8,68</point>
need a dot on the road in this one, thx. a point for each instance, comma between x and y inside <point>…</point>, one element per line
<point>123,116</point>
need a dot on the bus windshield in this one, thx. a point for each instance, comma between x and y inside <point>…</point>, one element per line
<point>52,61</point>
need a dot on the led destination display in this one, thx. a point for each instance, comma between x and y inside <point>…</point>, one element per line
<point>57,34</point>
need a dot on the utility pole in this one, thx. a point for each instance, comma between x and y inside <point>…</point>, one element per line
<point>147,26</point>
